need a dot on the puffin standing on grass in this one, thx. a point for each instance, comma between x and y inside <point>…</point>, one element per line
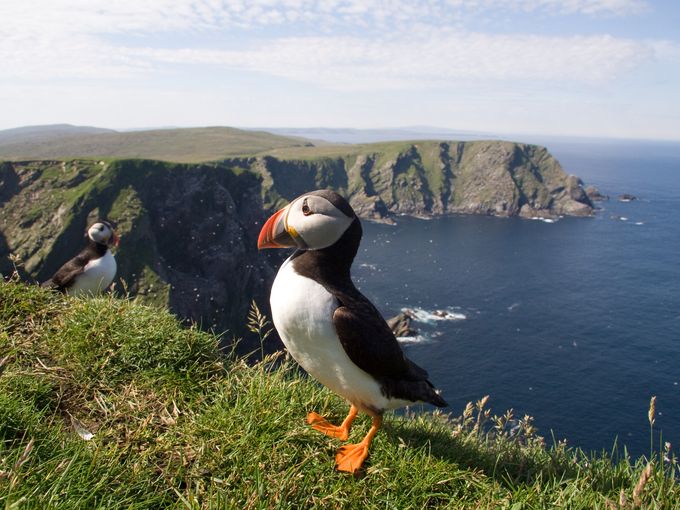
<point>329,327</point>
<point>93,269</point>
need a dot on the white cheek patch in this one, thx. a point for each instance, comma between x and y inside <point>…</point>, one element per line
<point>93,234</point>
<point>98,236</point>
<point>321,231</point>
<point>323,227</point>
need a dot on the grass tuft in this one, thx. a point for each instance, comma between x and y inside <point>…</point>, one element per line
<point>107,403</point>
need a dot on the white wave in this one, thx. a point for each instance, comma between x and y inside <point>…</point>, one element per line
<point>428,317</point>
<point>372,267</point>
<point>639,222</point>
<point>418,339</point>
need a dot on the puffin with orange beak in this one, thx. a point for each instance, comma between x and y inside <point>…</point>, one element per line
<point>93,269</point>
<point>329,327</point>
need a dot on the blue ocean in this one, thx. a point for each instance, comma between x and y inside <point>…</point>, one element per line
<point>576,322</point>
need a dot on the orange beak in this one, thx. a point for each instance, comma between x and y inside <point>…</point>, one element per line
<point>275,234</point>
<point>115,240</point>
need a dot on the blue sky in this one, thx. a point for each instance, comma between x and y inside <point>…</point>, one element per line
<point>606,68</point>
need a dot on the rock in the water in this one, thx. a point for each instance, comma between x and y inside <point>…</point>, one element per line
<point>401,325</point>
<point>595,195</point>
<point>578,203</point>
<point>626,197</point>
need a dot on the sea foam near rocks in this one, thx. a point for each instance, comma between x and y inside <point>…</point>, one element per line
<point>417,339</point>
<point>429,317</point>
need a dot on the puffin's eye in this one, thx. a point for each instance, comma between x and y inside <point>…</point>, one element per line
<point>305,208</point>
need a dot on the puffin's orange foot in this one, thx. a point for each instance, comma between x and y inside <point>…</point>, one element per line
<point>350,457</point>
<point>321,424</point>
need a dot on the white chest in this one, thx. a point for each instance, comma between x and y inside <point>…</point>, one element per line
<point>96,277</point>
<point>302,311</point>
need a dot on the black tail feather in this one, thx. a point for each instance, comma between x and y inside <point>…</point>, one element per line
<point>414,391</point>
<point>436,399</point>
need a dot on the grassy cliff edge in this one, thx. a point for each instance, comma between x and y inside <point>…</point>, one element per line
<point>110,403</point>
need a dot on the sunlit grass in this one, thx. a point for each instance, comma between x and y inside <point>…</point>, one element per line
<point>106,403</point>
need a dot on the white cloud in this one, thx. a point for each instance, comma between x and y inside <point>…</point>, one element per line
<point>421,56</point>
<point>425,58</point>
<point>557,7</point>
<point>121,16</point>
<point>73,38</point>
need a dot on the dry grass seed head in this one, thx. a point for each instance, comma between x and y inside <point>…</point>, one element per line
<point>640,487</point>
<point>3,363</point>
<point>258,322</point>
<point>652,411</point>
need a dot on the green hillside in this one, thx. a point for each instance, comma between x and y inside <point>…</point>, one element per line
<point>105,403</point>
<point>41,134</point>
<point>179,145</point>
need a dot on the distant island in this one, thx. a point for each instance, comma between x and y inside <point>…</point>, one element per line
<point>189,202</point>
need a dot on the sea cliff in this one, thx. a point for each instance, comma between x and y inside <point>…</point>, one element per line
<point>427,178</point>
<point>189,230</point>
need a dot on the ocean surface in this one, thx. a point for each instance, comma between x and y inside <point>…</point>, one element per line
<point>576,323</point>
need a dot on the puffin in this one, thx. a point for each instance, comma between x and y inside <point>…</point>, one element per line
<point>93,269</point>
<point>332,330</point>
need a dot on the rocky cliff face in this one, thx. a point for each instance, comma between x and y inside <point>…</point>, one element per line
<point>189,231</point>
<point>431,178</point>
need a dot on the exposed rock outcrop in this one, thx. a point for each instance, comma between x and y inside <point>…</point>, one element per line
<point>431,179</point>
<point>595,195</point>
<point>401,325</point>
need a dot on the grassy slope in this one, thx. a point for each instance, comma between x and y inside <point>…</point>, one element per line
<point>186,145</point>
<point>178,425</point>
<point>46,132</point>
<point>387,149</point>
<point>179,145</point>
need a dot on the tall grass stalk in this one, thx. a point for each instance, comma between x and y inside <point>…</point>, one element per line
<point>651,417</point>
<point>260,325</point>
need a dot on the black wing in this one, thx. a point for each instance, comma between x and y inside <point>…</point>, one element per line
<point>370,343</point>
<point>67,273</point>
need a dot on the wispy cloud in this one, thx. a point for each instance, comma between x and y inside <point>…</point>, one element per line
<point>557,7</point>
<point>105,16</point>
<point>72,39</point>
<point>424,57</point>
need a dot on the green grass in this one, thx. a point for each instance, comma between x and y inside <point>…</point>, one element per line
<point>179,145</point>
<point>177,424</point>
